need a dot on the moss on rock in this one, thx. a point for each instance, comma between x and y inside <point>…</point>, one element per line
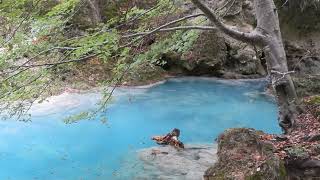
<point>242,155</point>
<point>143,73</point>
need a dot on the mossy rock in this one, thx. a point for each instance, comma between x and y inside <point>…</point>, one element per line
<point>242,155</point>
<point>307,86</point>
<point>143,73</point>
<point>314,100</point>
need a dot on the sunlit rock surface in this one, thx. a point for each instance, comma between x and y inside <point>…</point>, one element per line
<point>165,162</point>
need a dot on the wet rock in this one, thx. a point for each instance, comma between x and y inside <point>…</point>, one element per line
<point>166,162</point>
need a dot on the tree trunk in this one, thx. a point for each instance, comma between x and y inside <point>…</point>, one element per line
<point>267,35</point>
<point>96,14</point>
<point>268,26</point>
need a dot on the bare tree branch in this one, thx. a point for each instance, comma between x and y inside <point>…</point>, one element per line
<point>163,26</point>
<point>61,59</point>
<point>27,16</point>
<point>171,29</point>
<point>46,51</point>
<point>227,11</point>
<point>281,74</point>
<point>285,3</point>
<point>225,5</point>
<point>61,62</point>
<point>252,37</point>
<point>136,17</point>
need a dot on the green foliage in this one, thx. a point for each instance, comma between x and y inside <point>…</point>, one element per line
<point>105,44</point>
<point>64,8</point>
<point>27,42</point>
<point>314,100</point>
<point>39,43</point>
<point>180,42</point>
<point>116,17</point>
<point>77,117</point>
<point>297,152</point>
<point>314,105</point>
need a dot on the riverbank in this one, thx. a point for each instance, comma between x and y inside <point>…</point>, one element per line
<point>252,154</point>
<point>69,98</point>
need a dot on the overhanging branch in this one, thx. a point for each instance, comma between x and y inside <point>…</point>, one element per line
<point>252,37</point>
<point>210,28</point>
<point>61,62</point>
<point>162,27</point>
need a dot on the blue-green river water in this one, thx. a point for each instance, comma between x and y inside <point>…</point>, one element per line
<point>49,149</point>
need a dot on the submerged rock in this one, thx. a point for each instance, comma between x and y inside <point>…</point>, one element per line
<point>166,162</point>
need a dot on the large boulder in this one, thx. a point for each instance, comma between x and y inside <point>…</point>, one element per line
<point>242,155</point>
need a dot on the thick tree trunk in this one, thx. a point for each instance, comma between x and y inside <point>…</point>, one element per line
<point>267,35</point>
<point>268,26</point>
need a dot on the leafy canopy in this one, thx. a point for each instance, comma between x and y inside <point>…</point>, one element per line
<point>41,37</point>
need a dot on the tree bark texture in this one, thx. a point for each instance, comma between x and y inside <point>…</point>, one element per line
<point>267,35</point>
<point>96,14</point>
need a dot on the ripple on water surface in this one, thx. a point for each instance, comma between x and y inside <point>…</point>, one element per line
<point>49,149</point>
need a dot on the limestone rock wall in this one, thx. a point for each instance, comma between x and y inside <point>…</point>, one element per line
<point>215,54</point>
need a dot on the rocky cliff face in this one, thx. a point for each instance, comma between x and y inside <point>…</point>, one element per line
<point>215,54</point>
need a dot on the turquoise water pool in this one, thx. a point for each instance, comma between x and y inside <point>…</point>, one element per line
<point>49,149</point>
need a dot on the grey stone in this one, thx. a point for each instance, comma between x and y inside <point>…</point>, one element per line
<point>170,163</point>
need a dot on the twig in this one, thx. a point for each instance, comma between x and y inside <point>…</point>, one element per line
<point>220,8</point>
<point>284,3</point>
<point>40,53</point>
<point>136,17</point>
<point>171,29</point>
<point>282,74</point>
<point>226,12</point>
<point>62,62</point>
<point>20,24</point>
